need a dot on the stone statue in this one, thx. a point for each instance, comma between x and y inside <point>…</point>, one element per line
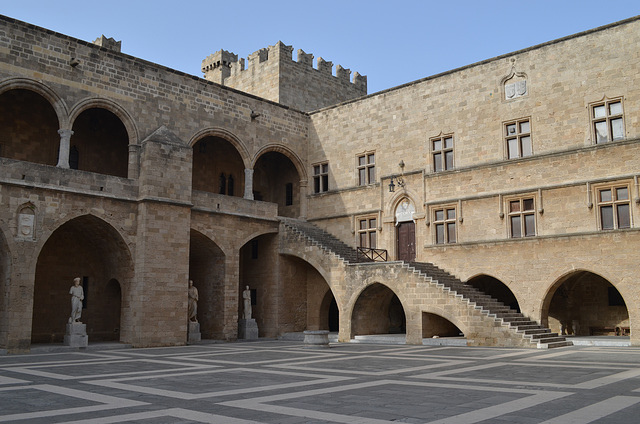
<point>77,296</point>
<point>246,297</point>
<point>193,302</point>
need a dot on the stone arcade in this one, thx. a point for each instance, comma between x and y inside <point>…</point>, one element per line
<point>493,201</point>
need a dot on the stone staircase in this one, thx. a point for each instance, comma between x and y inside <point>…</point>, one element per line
<point>542,337</point>
<point>529,329</point>
<point>324,240</point>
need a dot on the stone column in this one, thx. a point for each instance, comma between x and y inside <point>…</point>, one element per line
<point>303,199</point>
<point>65,146</point>
<point>134,155</point>
<point>248,184</point>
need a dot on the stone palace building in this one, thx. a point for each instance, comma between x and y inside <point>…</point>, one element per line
<point>498,202</point>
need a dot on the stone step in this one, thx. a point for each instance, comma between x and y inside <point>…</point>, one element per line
<point>554,344</point>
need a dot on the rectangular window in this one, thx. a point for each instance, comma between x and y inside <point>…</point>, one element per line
<point>522,218</point>
<point>444,222</point>
<point>321,178</point>
<point>366,169</point>
<point>607,121</point>
<point>518,139</point>
<point>288,194</point>
<point>614,207</point>
<point>367,232</point>
<point>442,153</point>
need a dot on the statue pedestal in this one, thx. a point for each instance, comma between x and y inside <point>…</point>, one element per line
<point>247,329</point>
<point>76,335</point>
<point>193,333</point>
<point>316,339</point>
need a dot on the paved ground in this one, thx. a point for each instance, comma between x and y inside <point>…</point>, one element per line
<point>282,382</point>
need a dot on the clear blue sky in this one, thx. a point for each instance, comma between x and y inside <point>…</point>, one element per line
<point>392,42</point>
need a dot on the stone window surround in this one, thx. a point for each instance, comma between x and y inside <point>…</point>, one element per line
<point>320,177</point>
<point>521,214</point>
<point>445,222</point>
<point>614,203</point>
<point>513,131</point>
<point>366,168</point>
<point>439,155</point>
<point>370,229</point>
<point>607,118</point>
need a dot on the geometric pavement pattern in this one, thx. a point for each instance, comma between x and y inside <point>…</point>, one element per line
<point>284,382</point>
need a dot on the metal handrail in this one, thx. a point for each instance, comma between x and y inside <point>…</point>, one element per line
<point>376,255</point>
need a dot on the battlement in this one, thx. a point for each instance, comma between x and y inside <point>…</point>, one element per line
<point>299,84</point>
<point>108,43</point>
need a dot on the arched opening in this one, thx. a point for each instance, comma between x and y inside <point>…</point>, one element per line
<point>207,270</point>
<point>405,230</point>
<point>89,248</point>
<point>435,325</point>
<point>276,180</point>
<point>378,311</point>
<point>29,127</point>
<point>585,304</point>
<point>328,310</point>
<point>217,167</point>
<point>100,143</point>
<point>496,289</point>
<point>5,265</point>
<point>260,268</point>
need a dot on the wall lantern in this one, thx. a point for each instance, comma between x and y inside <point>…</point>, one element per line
<point>400,179</point>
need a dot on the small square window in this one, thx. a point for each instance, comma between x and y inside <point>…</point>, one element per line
<point>522,217</point>
<point>444,224</point>
<point>614,209</point>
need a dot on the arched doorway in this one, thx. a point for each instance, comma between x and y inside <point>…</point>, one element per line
<point>29,127</point>
<point>217,167</point>
<point>89,248</point>
<point>435,325</point>
<point>378,311</point>
<point>329,314</point>
<point>276,180</point>
<point>583,303</point>
<point>100,143</point>
<point>496,289</point>
<point>207,270</point>
<point>405,231</point>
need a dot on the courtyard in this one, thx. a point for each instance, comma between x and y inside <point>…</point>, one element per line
<point>270,381</point>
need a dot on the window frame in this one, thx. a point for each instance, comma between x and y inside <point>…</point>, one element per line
<point>522,215</point>
<point>445,223</point>
<point>518,136</point>
<point>365,169</point>
<point>440,164</point>
<point>368,232</point>
<point>320,177</point>
<point>614,204</point>
<point>607,118</point>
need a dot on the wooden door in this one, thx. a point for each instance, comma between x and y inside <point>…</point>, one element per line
<point>406,248</point>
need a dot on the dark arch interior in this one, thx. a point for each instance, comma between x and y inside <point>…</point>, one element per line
<point>496,289</point>
<point>276,180</point>
<point>207,270</point>
<point>586,304</point>
<point>88,248</point>
<point>435,325</point>
<point>29,127</point>
<point>378,311</point>
<point>217,167</point>
<point>99,143</point>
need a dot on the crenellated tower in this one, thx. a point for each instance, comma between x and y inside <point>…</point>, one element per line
<point>271,73</point>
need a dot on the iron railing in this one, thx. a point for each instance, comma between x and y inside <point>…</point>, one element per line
<point>376,255</point>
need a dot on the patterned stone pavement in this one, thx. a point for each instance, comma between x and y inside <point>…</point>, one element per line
<point>284,382</point>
